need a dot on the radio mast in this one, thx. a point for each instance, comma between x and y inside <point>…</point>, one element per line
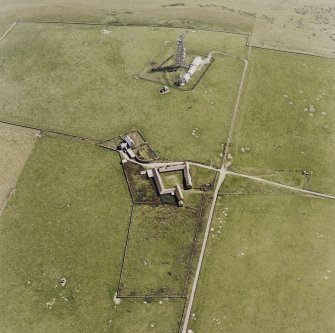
<point>181,51</point>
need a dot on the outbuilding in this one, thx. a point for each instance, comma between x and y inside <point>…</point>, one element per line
<point>197,62</point>
<point>192,70</point>
<point>129,141</point>
<point>130,153</point>
<point>186,77</point>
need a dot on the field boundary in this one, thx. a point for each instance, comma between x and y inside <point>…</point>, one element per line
<point>288,187</point>
<point>7,32</point>
<point>196,234</point>
<point>221,171</point>
<point>151,297</point>
<point>260,194</point>
<point>9,194</point>
<point>190,257</point>
<point>51,132</point>
<point>167,83</point>
<point>177,27</point>
<point>310,54</point>
<point>124,251</point>
<point>135,25</point>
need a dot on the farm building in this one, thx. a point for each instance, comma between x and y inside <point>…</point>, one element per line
<point>187,176</point>
<point>130,153</point>
<point>196,65</point>
<point>160,185</point>
<point>129,141</point>
<point>179,196</point>
<point>127,147</point>
<point>176,191</point>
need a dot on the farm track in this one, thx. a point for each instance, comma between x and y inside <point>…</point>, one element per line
<point>223,172</point>
<point>238,99</point>
<point>292,188</point>
<point>203,250</point>
<point>6,33</point>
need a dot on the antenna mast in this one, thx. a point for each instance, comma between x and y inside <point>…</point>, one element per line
<point>181,51</point>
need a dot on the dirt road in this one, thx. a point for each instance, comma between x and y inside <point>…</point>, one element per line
<point>292,188</point>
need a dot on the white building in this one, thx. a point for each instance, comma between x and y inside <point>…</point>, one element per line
<point>196,64</point>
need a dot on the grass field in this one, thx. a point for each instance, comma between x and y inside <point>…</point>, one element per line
<point>201,176</point>
<point>15,147</point>
<point>4,26</point>
<point>158,251</point>
<point>234,185</point>
<point>188,14</point>
<point>287,120</point>
<point>269,265</point>
<point>145,315</point>
<point>293,24</point>
<point>64,77</point>
<point>68,218</point>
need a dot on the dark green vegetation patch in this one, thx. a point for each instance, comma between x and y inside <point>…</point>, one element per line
<point>142,188</point>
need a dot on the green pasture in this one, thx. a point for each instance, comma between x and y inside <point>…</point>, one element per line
<point>143,315</point>
<point>269,264</point>
<point>187,14</point>
<point>201,176</point>
<point>236,185</point>
<point>68,218</point>
<point>286,122</point>
<point>159,250</point>
<point>79,80</point>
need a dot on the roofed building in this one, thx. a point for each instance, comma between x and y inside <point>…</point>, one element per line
<point>160,185</point>
<point>187,176</point>
<point>179,195</point>
<point>129,141</point>
<point>177,191</point>
<point>130,153</point>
